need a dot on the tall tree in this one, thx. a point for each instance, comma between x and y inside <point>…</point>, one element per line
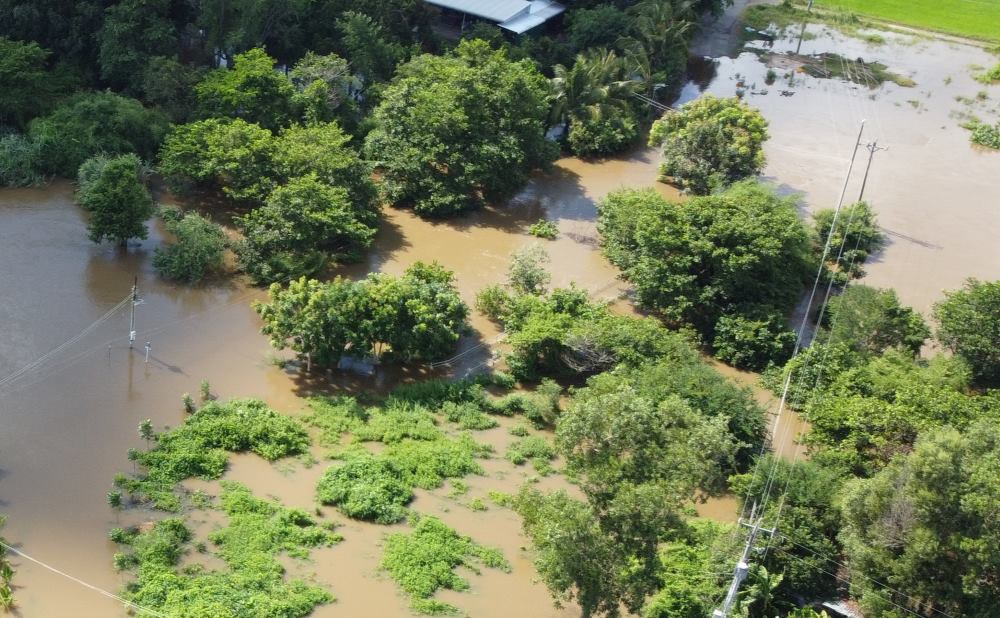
<point>132,33</point>
<point>454,132</point>
<point>26,83</point>
<point>117,200</point>
<point>252,90</point>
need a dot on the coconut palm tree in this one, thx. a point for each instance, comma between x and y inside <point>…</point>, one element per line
<point>595,86</point>
<point>657,49</point>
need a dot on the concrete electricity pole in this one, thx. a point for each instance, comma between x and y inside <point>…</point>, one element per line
<point>872,149</point>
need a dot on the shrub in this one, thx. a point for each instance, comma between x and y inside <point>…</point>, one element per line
<point>198,250</point>
<point>535,449</point>
<point>425,560</point>
<point>986,135</point>
<point>969,321</point>
<point>334,416</point>
<point>467,416</point>
<point>857,233</point>
<point>753,341</point>
<point>610,133</point>
<point>20,161</point>
<point>366,487</point>
<point>544,229</point>
<point>397,422</point>
<point>427,464</point>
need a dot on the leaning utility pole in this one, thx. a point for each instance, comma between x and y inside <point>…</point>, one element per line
<point>872,149</point>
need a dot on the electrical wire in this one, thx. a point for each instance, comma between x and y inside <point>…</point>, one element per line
<point>97,589</point>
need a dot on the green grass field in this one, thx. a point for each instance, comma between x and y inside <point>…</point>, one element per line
<point>978,19</point>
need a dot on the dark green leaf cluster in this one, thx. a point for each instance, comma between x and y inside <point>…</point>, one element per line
<point>252,586</point>
<point>198,447</point>
<point>743,253</point>
<point>95,123</point>
<point>417,315</point>
<point>424,561</point>
<point>455,132</point>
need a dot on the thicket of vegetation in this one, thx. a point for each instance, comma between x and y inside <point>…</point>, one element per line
<point>416,316</point>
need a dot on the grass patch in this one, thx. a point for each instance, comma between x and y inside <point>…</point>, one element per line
<point>424,561</point>
<point>200,448</point>
<point>535,449</point>
<point>776,18</point>
<point>334,416</point>
<point>397,422</point>
<point>252,586</point>
<point>985,135</point>
<point>978,20</point>
<point>468,415</point>
<point>990,77</point>
<point>544,229</point>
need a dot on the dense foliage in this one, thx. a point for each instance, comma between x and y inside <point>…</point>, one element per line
<point>969,321</point>
<point>424,561</point>
<point>417,315</point>
<point>743,252</point>
<point>454,132</point>
<point>253,584</point>
<point>199,446</point>
<point>95,123</point>
<point>710,143</point>
<point>117,201</point>
<point>198,248</point>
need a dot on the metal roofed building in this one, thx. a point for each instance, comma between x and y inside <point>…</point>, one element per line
<point>517,16</point>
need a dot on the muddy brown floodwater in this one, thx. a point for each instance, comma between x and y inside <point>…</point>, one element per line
<point>68,423</point>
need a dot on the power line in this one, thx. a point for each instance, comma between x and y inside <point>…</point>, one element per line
<point>110,595</point>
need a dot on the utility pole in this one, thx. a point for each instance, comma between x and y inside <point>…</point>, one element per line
<point>131,323</point>
<point>743,566</point>
<point>872,149</point>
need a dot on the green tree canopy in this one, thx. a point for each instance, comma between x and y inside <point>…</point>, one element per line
<point>873,320</point>
<point>117,200</point>
<point>417,315</point>
<point>710,143</point>
<point>927,526</point>
<point>301,225</point>
<point>969,325</point>
<point>252,90</point>
<point>95,123</point>
<point>26,83</point>
<point>454,132</point>
<point>694,261</point>
<point>232,156</point>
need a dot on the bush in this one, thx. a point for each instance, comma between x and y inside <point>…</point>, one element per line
<point>366,487</point>
<point>20,161</point>
<point>94,123</point>
<point>610,133</point>
<point>535,449</point>
<point>544,229</point>
<point>857,233</point>
<point>397,422</point>
<point>873,320</point>
<point>467,416</point>
<point>986,135</point>
<point>197,448</point>
<point>198,250</point>
<point>112,190</point>
<point>753,341</point>
<point>334,416</point>
<point>425,560</point>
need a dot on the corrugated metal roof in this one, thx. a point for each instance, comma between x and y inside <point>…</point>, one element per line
<point>541,11</point>
<point>493,10</point>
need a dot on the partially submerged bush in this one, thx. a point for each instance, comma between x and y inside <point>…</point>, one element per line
<point>535,449</point>
<point>425,560</point>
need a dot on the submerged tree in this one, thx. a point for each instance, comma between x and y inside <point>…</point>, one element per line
<point>969,321</point>
<point>117,200</point>
<point>455,132</point>
<point>710,143</point>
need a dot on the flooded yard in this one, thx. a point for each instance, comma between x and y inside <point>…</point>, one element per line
<point>68,423</point>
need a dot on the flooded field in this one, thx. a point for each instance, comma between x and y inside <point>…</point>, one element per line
<point>936,195</point>
<point>68,423</point>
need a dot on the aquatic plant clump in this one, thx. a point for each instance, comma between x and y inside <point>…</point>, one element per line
<point>253,585</point>
<point>535,449</point>
<point>425,560</point>
<point>200,446</point>
<point>544,229</point>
